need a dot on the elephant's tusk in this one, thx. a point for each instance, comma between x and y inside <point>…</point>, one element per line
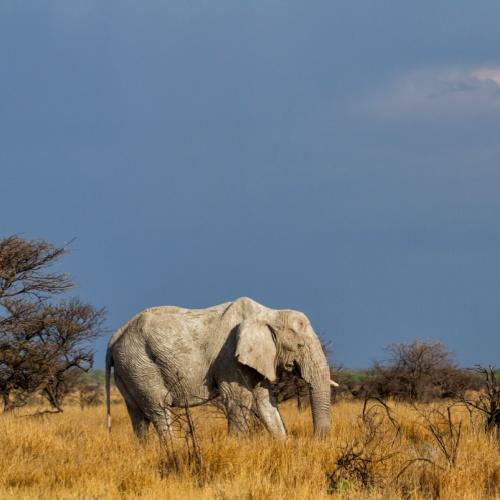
<point>334,384</point>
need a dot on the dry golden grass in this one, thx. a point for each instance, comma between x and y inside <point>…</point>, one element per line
<point>71,455</point>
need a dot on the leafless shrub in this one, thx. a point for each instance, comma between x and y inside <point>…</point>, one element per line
<point>181,429</point>
<point>377,410</point>
<point>487,400</point>
<point>358,459</point>
<point>445,431</point>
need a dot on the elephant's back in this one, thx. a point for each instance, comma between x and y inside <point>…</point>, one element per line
<point>169,318</point>
<point>186,312</point>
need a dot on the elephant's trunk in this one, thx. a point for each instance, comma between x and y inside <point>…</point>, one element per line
<point>320,408</point>
<point>316,373</point>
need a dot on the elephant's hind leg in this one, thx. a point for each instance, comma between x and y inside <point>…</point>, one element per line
<point>140,423</point>
<point>156,402</point>
<point>147,398</point>
<point>162,422</point>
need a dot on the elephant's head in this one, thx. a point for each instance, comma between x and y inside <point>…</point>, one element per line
<point>286,340</point>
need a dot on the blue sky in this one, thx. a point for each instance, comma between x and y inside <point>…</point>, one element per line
<point>341,158</point>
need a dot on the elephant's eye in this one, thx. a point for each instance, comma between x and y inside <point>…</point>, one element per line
<point>300,345</point>
<point>299,325</point>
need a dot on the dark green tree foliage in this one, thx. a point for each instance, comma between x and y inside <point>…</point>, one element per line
<point>44,344</point>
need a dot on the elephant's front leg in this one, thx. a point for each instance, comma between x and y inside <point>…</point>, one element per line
<point>239,405</point>
<point>268,412</point>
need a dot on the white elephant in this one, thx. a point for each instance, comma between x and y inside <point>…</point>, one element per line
<point>169,356</point>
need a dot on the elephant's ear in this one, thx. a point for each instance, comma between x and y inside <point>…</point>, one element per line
<point>255,347</point>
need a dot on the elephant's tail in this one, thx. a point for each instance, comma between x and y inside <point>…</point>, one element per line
<point>109,364</point>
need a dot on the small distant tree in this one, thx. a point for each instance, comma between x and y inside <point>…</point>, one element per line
<point>419,370</point>
<point>44,345</point>
<point>90,394</point>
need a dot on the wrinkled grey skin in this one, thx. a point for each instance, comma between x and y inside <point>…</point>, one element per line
<point>170,356</point>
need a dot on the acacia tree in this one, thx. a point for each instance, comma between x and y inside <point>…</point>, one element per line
<point>44,344</point>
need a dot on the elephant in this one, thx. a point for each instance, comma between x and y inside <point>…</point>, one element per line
<point>168,356</point>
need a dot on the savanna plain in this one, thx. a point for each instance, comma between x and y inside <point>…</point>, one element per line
<point>428,450</point>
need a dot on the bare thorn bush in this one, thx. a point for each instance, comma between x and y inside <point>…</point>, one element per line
<point>487,400</point>
<point>358,459</point>
<point>446,432</point>
<point>181,442</point>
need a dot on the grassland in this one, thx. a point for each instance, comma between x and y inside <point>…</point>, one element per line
<point>71,455</point>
